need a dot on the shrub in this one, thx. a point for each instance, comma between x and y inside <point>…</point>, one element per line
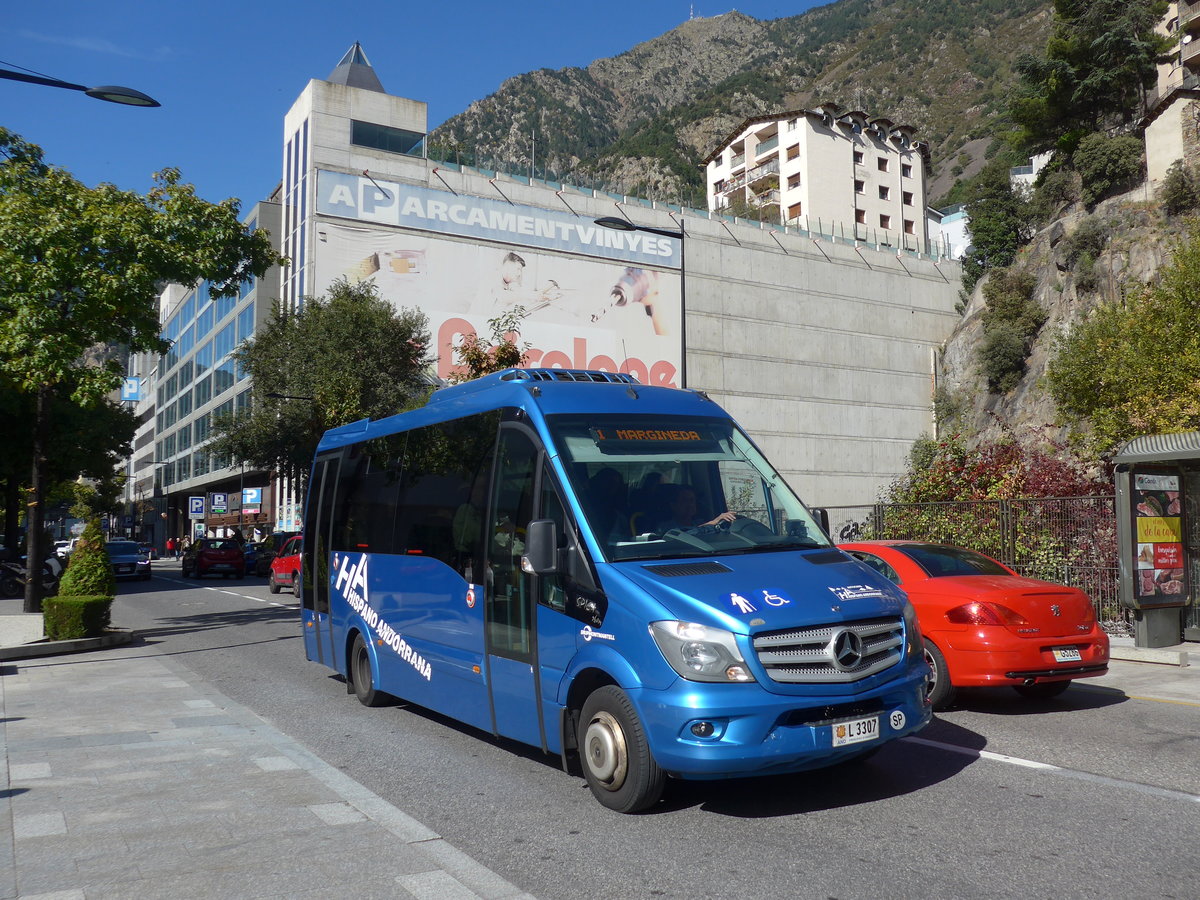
<point>1002,357</point>
<point>1108,164</point>
<point>1180,191</point>
<point>1088,239</point>
<point>67,618</point>
<point>1086,277</point>
<point>89,573</point>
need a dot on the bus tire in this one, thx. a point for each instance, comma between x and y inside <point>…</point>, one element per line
<point>615,754</point>
<point>360,675</point>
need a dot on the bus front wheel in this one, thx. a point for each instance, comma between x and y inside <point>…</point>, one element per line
<point>615,754</point>
<point>360,675</point>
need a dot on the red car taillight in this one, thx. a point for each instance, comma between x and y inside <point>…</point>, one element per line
<point>979,613</point>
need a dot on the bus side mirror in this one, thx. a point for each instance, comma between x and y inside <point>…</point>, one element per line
<point>541,547</point>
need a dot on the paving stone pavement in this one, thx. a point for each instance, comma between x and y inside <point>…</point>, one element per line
<point>126,777</point>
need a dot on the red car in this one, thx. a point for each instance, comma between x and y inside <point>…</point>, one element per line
<point>214,556</point>
<point>984,625</point>
<point>285,567</point>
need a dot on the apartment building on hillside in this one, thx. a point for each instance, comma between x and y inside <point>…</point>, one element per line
<point>1172,121</point>
<point>827,171</point>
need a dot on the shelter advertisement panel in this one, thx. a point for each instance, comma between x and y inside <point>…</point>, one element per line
<point>580,313</point>
<point>1160,570</point>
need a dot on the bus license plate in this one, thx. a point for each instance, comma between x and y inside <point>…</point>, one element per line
<point>855,731</point>
<point>1067,654</point>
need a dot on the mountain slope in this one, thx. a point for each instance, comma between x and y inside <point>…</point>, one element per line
<point>644,120</point>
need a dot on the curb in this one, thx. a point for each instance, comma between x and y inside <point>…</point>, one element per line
<point>114,638</point>
<point>1147,655</point>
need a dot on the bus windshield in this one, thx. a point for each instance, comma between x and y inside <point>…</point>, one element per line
<point>662,487</point>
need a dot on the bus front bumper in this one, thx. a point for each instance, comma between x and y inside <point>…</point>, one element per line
<point>708,731</point>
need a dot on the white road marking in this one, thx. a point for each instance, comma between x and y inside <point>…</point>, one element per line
<point>1150,789</point>
<point>233,593</point>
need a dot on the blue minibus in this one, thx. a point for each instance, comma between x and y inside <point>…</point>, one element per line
<point>610,572</point>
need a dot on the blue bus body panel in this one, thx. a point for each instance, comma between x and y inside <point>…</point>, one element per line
<point>425,626</point>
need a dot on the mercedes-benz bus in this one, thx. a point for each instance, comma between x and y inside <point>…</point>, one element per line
<point>610,572</point>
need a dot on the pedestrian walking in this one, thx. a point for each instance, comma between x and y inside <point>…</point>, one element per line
<point>171,547</point>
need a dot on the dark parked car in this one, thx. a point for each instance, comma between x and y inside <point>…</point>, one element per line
<point>128,560</point>
<point>267,551</point>
<point>214,556</point>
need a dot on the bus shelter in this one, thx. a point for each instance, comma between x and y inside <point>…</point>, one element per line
<point>1157,480</point>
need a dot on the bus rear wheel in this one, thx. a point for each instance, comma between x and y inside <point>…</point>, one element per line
<point>615,754</point>
<point>360,675</point>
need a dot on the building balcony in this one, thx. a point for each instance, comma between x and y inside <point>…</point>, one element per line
<point>767,146</point>
<point>766,175</point>
<point>1189,51</point>
<point>759,175</point>
<point>737,160</point>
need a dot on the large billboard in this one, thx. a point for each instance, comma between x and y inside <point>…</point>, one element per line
<point>580,313</point>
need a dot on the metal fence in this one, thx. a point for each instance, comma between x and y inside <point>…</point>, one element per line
<point>1067,540</point>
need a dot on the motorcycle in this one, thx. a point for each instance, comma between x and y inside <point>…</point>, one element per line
<point>13,576</point>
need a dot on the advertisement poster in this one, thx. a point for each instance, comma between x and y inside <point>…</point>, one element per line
<point>617,315</point>
<point>1160,571</point>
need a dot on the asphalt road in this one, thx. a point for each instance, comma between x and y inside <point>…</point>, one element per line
<point>1096,793</point>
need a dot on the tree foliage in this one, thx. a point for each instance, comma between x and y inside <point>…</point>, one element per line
<point>478,356</point>
<point>90,571</point>
<point>998,220</point>
<point>951,469</point>
<point>1096,67</point>
<point>346,356</point>
<point>1107,165</point>
<point>1180,191</point>
<point>83,266</point>
<point>1133,367</point>
<point>1011,320</point>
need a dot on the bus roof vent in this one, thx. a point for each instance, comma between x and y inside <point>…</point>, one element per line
<point>567,375</point>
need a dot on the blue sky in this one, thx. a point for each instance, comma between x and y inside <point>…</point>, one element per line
<point>227,72</point>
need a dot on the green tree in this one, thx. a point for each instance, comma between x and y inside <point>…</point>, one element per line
<point>1133,366</point>
<point>1108,164</point>
<point>88,441</point>
<point>1180,191</point>
<point>477,356</point>
<point>998,220</point>
<point>1100,59</point>
<point>83,266</point>
<point>346,356</point>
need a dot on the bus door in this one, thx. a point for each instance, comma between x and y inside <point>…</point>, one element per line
<point>318,624</point>
<point>510,600</point>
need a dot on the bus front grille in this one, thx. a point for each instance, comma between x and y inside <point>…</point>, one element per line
<point>848,651</point>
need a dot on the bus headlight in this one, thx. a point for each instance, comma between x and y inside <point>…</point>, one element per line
<point>914,644</point>
<point>699,653</point>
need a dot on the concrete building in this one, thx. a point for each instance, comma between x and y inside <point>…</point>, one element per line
<point>1172,120</point>
<point>178,395</point>
<point>828,172</point>
<point>821,346</point>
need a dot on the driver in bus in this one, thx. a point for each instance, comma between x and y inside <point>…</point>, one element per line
<point>685,512</point>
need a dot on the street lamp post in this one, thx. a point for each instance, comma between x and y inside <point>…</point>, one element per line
<point>112,93</point>
<point>619,224</point>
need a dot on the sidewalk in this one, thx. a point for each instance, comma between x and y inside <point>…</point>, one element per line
<point>127,777</point>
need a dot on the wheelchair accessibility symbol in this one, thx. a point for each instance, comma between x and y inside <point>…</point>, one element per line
<point>774,599</point>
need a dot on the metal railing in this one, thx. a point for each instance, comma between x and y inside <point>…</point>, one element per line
<point>1067,540</point>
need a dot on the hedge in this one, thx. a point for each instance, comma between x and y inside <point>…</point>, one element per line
<point>66,618</point>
